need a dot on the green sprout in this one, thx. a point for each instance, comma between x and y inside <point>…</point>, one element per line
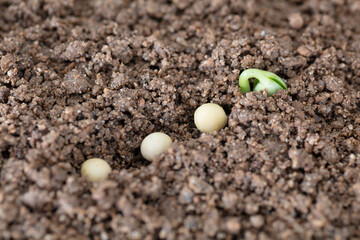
<point>263,80</point>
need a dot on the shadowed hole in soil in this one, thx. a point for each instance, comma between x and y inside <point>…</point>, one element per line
<point>4,157</point>
<point>5,154</point>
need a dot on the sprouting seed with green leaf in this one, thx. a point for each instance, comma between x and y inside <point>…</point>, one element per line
<point>263,80</point>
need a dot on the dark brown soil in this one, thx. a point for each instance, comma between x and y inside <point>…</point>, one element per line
<point>82,79</point>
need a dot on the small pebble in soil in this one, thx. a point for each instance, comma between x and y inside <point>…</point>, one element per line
<point>95,170</point>
<point>154,144</point>
<point>296,21</point>
<point>210,117</point>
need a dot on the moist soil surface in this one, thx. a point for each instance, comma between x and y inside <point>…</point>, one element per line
<point>82,79</point>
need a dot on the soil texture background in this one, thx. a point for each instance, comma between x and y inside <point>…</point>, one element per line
<point>82,79</point>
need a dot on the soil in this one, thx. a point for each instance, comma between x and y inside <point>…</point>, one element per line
<point>82,79</point>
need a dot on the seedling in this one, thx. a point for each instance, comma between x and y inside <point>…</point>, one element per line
<point>263,80</point>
